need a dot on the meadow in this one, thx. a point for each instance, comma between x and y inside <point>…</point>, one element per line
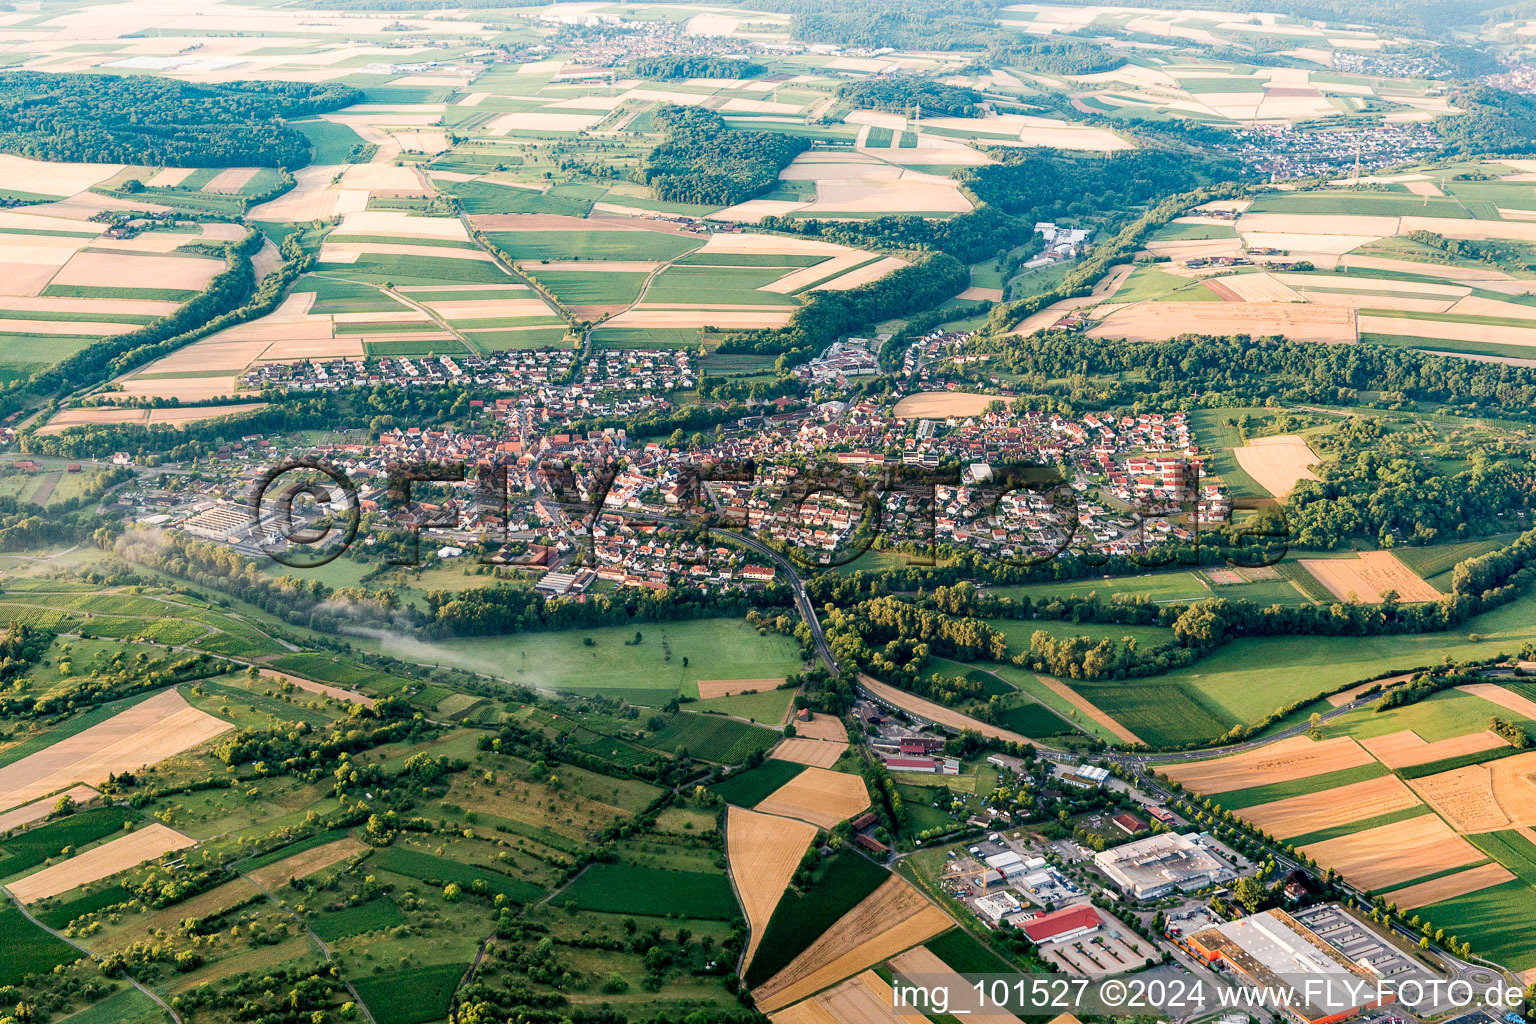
<point>650,672</point>
<point>1240,683</point>
<point>751,787</point>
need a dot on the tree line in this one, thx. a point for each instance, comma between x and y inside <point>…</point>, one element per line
<point>156,121</point>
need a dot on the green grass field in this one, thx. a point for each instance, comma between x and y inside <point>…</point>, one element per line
<point>1439,716</point>
<point>766,706</point>
<point>125,1006</point>
<point>632,889</point>
<point>1241,683</point>
<point>35,845</point>
<point>1160,587</point>
<point>750,788</point>
<point>802,916</point>
<point>443,871</point>
<point>410,997</point>
<point>728,285</point>
<point>531,247</point>
<point>1496,921</point>
<point>963,953</point>
<point>57,914</point>
<point>611,665</point>
<point>375,915</point>
<point>1515,849</point>
<point>29,949</point>
<point>591,287</point>
<point>711,737</point>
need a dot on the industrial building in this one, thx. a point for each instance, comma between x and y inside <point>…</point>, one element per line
<point>1063,925</point>
<point>1162,864</point>
<point>1275,951</point>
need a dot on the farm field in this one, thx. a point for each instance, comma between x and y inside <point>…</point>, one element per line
<point>652,671</point>
<point>764,852</point>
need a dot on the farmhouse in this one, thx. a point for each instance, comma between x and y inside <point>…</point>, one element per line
<point>1162,864</point>
<point>1272,947</point>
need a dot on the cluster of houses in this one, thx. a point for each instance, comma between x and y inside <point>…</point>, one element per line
<point>1286,152</point>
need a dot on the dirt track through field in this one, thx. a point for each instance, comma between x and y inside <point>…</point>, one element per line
<point>819,796</point>
<point>1311,812</point>
<point>764,851</point>
<point>1296,758</point>
<point>1450,886</point>
<point>130,851</point>
<point>1389,855</point>
<point>1407,748</point>
<point>816,753</point>
<point>148,732</point>
<point>892,918</point>
<point>1088,708</point>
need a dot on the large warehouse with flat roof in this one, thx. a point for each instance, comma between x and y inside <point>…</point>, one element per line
<point>1161,864</point>
<point>1275,951</point>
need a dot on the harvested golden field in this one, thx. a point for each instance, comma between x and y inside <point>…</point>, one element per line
<point>937,713</point>
<point>1450,886</point>
<point>1485,797</point>
<point>822,726</point>
<point>1310,812</point>
<point>816,753</point>
<point>197,414</point>
<point>1416,267</point>
<point>45,177</point>
<point>709,688</point>
<point>1508,699</point>
<point>231,179</point>
<point>1368,577</point>
<point>763,851</point>
<point>1277,463</point>
<point>646,315</point>
<point>1380,858</point>
<point>937,405</point>
<point>1253,288</point>
<point>892,918</point>
<point>130,851</point>
<point>1407,748</point>
<point>131,270</point>
<point>1157,321</point>
<point>865,999</point>
<point>821,797</point>
<point>162,726</point>
<point>305,863</point>
<point>1296,758</point>
<point>351,696</point>
<point>806,276</point>
<point>40,809</point>
<point>863,275</point>
<point>1449,330</point>
<point>1088,708</point>
<point>963,1000</point>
